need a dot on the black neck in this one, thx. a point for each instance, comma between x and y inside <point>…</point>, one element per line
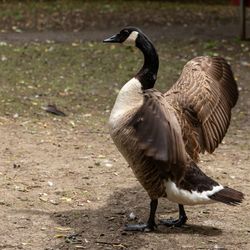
<point>148,73</point>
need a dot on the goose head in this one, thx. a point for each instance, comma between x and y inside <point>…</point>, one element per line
<point>128,35</point>
<point>134,36</point>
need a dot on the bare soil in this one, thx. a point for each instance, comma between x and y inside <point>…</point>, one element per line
<point>177,32</point>
<point>65,186</point>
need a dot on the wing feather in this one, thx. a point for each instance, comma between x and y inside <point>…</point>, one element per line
<point>208,90</point>
<point>158,133</point>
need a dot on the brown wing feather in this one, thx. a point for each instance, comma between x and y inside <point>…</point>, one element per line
<point>158,133</point>
<point>203,98</point>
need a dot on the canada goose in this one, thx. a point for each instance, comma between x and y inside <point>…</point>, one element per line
<point>160,135</point>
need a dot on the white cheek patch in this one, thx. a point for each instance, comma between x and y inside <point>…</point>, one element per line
<point>131,38</point>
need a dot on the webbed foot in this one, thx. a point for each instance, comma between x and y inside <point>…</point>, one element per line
<point>150,225</point>
<point>173,223</point>
<point>176,223</point>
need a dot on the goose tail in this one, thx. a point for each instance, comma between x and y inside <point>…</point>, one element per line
<point>228,196</point>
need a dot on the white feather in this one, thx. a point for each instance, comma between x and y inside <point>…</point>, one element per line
<point>185,197</point>
<point>129,97</point>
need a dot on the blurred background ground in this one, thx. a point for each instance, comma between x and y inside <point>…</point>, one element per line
<point>89,20</point>
<point>63,184</point>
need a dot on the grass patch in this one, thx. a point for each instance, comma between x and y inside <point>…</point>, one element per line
<point>85,78</point>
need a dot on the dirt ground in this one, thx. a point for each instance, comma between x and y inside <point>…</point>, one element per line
<point>64,185</point>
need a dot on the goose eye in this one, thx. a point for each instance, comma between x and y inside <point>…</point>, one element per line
<point>126,32</point>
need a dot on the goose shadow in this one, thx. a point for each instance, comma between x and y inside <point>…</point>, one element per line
<point>105,225</point>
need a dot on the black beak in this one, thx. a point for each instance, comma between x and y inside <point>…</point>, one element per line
<point>112,39</point>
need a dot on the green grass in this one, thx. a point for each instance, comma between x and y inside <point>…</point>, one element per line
<point>84,78</point>
<point>76,78</point>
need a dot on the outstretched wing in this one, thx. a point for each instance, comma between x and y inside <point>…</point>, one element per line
<point>203,98</point>
<point>158,133</point>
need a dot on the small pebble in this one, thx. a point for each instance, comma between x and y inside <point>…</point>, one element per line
<point>132,216</point>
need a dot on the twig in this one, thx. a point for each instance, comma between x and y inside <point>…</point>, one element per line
<point>110,243</point>
<point>94,132</point>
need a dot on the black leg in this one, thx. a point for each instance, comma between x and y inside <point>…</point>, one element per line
<point>150,225</point>
<point>151,220</point>
<point>176,223</point>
